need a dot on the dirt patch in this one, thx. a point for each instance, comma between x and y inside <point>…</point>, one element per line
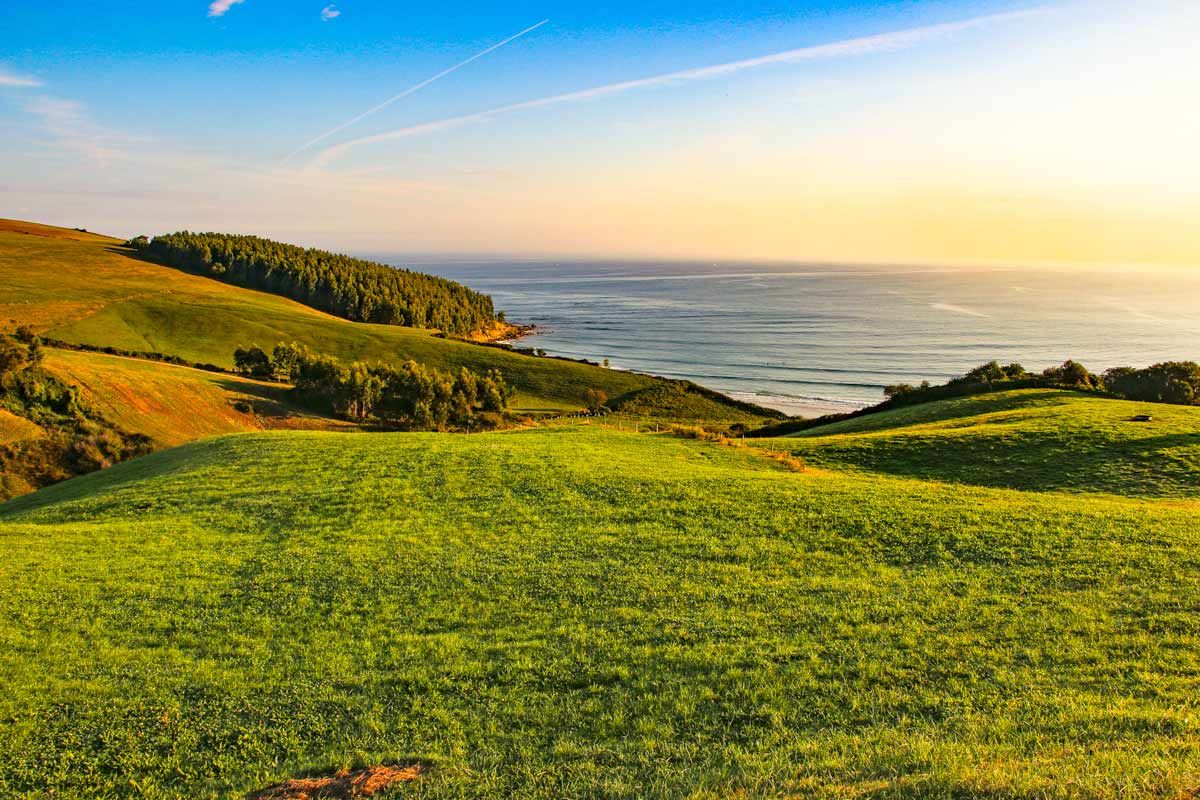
<point>345,784</point>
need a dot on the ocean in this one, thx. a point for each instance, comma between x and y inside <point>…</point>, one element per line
<point>820,339</point>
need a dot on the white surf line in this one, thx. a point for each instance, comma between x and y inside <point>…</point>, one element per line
<point>881,43</point>
<point>413,90</point>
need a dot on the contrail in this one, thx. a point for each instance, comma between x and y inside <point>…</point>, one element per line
<point>885,42</point>
<point>414,89</point>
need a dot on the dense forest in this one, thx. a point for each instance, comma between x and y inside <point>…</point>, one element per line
<point>411,396</point>
<point>362,291</point>
<point>73,439</point>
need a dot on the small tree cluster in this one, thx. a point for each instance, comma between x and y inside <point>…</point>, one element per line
<point>1176,382</point>
<point>411,395</point>
<point>595,399</point>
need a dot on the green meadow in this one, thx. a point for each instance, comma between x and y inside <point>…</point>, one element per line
<point>1041,439</point>
<point>578,612</point>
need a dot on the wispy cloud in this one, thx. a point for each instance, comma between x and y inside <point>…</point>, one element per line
<point>218,7</point>
<point>69,127</point>
<point>14,81</point>
<point>881,43</point>
<point>412,90</point>
<point>330,12</point>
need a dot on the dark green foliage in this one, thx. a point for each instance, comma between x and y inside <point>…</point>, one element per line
<point>1072,375</point>
<point>77,440</point>
<point>253,362</point>
<point>362,291</point>
<point>1176,382</point>
<point>411,395</point>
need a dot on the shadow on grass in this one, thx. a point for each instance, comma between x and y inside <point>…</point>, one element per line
<point>1154,466</point>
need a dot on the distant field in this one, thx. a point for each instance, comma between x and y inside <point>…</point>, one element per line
<point>581,613</point>
<point>1042,439</point>
<point>90,290</point>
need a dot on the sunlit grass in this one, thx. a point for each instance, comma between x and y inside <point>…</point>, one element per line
<point>1035,439</point>
<point>582,613</point>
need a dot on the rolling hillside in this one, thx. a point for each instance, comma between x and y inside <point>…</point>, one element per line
<point>577,613</point>
<point>988,597</point>
<point>174,404</point>
<point>87,289</point>
<point>1041,439</point>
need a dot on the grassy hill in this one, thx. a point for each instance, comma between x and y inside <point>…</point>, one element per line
<point>578,613</point>
<point>88,289</point>
<point>174,404</point>
<point>1041,439</point>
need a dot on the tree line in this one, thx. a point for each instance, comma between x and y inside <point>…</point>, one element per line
<point>411,396</point>
<point>351,288</point>
<point>1173,382</point>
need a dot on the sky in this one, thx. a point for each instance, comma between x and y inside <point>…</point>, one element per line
<point>911,131</point>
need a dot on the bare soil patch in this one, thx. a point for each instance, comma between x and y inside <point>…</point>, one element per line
<point>343,785</point>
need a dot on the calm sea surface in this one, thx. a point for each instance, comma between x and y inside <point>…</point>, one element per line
<point>814,339</point>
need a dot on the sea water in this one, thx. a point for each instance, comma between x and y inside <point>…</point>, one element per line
<point>819,339</point>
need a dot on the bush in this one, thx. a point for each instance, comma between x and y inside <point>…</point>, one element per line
<point>412,396</point>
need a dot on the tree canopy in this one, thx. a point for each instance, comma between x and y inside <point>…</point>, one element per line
<point>411,395</point>
<point>351,288</point>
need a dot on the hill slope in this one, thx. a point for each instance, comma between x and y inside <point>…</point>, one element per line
<point>86,289</point>
<point>580,613</point>
<point>174,404</point>
<point>1037,439</point>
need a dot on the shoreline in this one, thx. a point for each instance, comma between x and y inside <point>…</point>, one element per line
<point>797,407</point>
<point>502,333</point>
<point>505,334</point>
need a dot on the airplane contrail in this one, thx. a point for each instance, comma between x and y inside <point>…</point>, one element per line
<point>885,42</point>
<point>413,89</point>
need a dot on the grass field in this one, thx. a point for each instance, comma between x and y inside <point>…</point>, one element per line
<point>581,613</point>
<point>86,289</point>
<point>1041,439</point>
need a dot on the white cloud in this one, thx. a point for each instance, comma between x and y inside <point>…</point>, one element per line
<point>330,12</point>
<point>14,81</point>
<point>882,43</point>
<point>218,7</point>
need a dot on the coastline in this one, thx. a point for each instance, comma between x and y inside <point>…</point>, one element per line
<point>501,332</point>
<point>507,333</point>
<point>801,408</point>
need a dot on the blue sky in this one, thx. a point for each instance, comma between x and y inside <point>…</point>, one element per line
<point>277,69</point>
<point>151,115</point>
